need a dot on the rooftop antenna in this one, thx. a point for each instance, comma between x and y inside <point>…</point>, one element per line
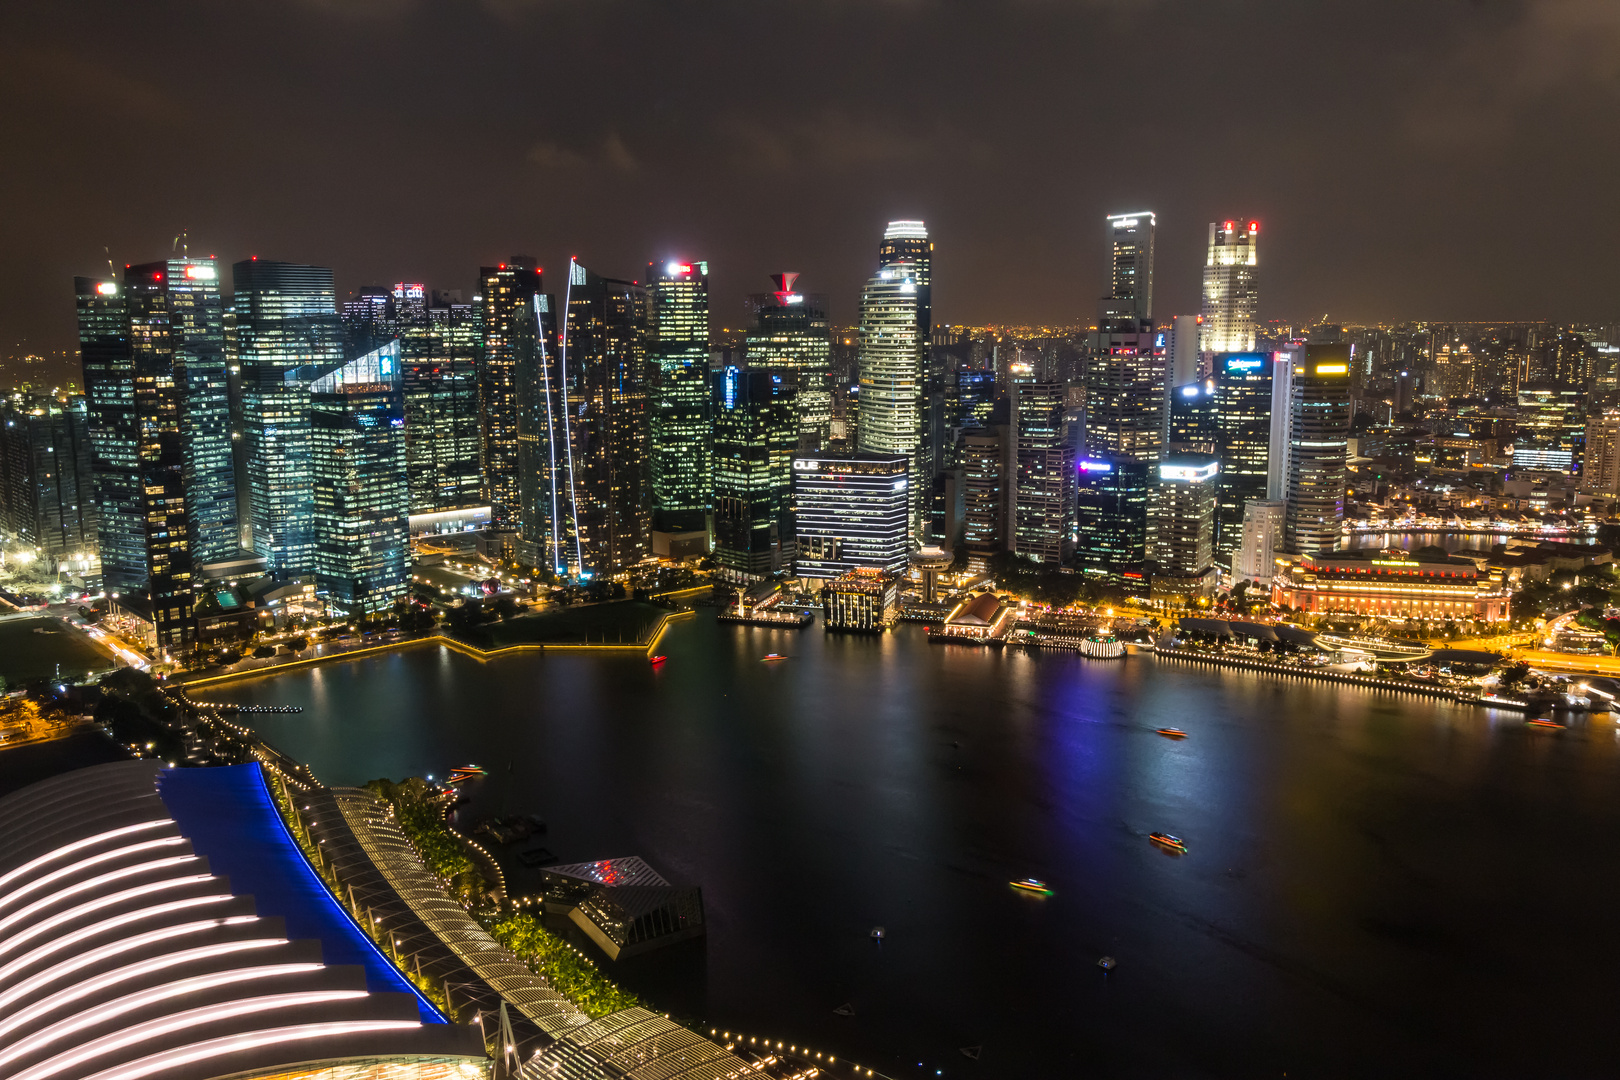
<point>110,268</point>
<point>182,241</point>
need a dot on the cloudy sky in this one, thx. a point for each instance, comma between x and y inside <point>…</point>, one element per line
<point>1407,158</point>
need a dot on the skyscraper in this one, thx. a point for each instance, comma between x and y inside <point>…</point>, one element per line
<point>1181,527</point>
<point>1125,364</point>
<point>679,428</point>
<point>546,482</point>
<point>896,323</point>
<point>1131,266</point>
<point>360,495</point>
<point>160,450</point>
<point>851,513</point>
<point>287,334</point>
<point>47,485</point>
<point>1043,491</point>
<point>109,384</point>
<point>1231,304</point>
<point>603,357</point>
<point>755,433</point>
<point>506,295</point>
<point>790,332</point>
<point>439,364</point>
<point>1551,428</point>
<point>1254,557</point>
<point>1243,418</point>
<point>1600,467</point>
<point>1111,511</point>
<point>1319,430</point>
<point>985,495</point>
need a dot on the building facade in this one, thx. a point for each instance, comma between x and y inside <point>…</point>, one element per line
<point>895,328</point>
<point>755,434</point>
<point>287,334</point>
<point>1391,584</point>
<point>505,300</point>
<point>678,293</point>
<point>1181,525</point>
<point>1600,465</point>
<point>361,495</point>
<point>1319,430</point>
<point>604,361</point>
<point>865,600</point>
<point>790,332</point>
<point>109,384</point>
<point>1043,486</point>
<point>851,512</point>
<point>1243,421</point>
<point>1254,557</point>
<point>1111,519</point>
<point>439,364</point>
<point>47,479</point>
<point>1231,301</point>
<point>985,491</point>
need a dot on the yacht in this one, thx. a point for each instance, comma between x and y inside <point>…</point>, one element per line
<point>1168,842</point>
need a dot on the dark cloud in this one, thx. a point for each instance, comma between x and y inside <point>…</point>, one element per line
<point>1446,158</point>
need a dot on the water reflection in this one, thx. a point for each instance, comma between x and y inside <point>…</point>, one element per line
<point>1360,892</point>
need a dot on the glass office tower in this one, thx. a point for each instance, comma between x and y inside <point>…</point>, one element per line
<point>895,329</point>
<point>851,512</point>
<point>47,478</point>
<point>197,328</point>
<point>359,491</point>
<point>287,334</point>
<point>755,433</point>
<point>603,362</point>
<point>109,385</point>
<point>1126,361</point>
<point>1243,417</point>
<point>439,364</point>
<point>546,485</point>
<point>506,295</point>
<point>1231,302</point>
<point>1043,488</point>
<point>1111,512</point>
<point>679,425</point>
<point>1318,443</point>
<point>154,344</point>
<point>790,332</point>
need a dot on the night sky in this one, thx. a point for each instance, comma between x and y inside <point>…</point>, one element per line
<point>1407,158</point>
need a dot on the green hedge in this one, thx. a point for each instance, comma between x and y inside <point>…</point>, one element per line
<point>569,973</point>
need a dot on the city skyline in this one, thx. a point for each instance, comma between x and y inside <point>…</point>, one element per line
<point>616,172</point>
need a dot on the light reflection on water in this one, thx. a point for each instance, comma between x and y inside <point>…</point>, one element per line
<point>1373,883</point>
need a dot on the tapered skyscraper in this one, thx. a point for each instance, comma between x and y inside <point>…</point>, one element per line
<point>679,296</point>
<point>896,324</point>
<point>1231,303</point>
<point>1130,263</point>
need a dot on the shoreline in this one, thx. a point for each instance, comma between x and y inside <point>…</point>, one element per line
<point>1340,677</point>
<point>438,638</point>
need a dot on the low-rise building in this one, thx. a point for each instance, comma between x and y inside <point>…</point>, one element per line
<point>978,618</point>
<point>863,599</point>
<point>1390,584</point>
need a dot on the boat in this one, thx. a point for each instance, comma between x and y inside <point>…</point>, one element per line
<point>1029,884</point>
<point>1172,733</point>
<point>1168,842</point>
<point>877,933</point>
<point>465,772</point>
<point>656,660</point>
<point>768,657</point>
<point>1545,722</point>
<point>971,1052</point>
<point>1107,963</point>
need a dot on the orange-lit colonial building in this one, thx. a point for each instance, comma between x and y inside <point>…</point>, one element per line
<point>1391,584</point>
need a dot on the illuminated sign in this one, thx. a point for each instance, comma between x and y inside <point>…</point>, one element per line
<point>1393,562</point>
<point>200,273</point>
<point>677,269</point>
<point>1245,362</point>
<point>411,292</point>
<point>801,464</point>
<point>1195,474</point>
<point>1125,223</point>
<point>1189,391</point>
<point>729,390</point>
<point>1096,466</point>
<point>1332,369</point>
<point>107,288</point>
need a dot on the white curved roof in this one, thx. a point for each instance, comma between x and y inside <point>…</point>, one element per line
<point>124,955</point>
